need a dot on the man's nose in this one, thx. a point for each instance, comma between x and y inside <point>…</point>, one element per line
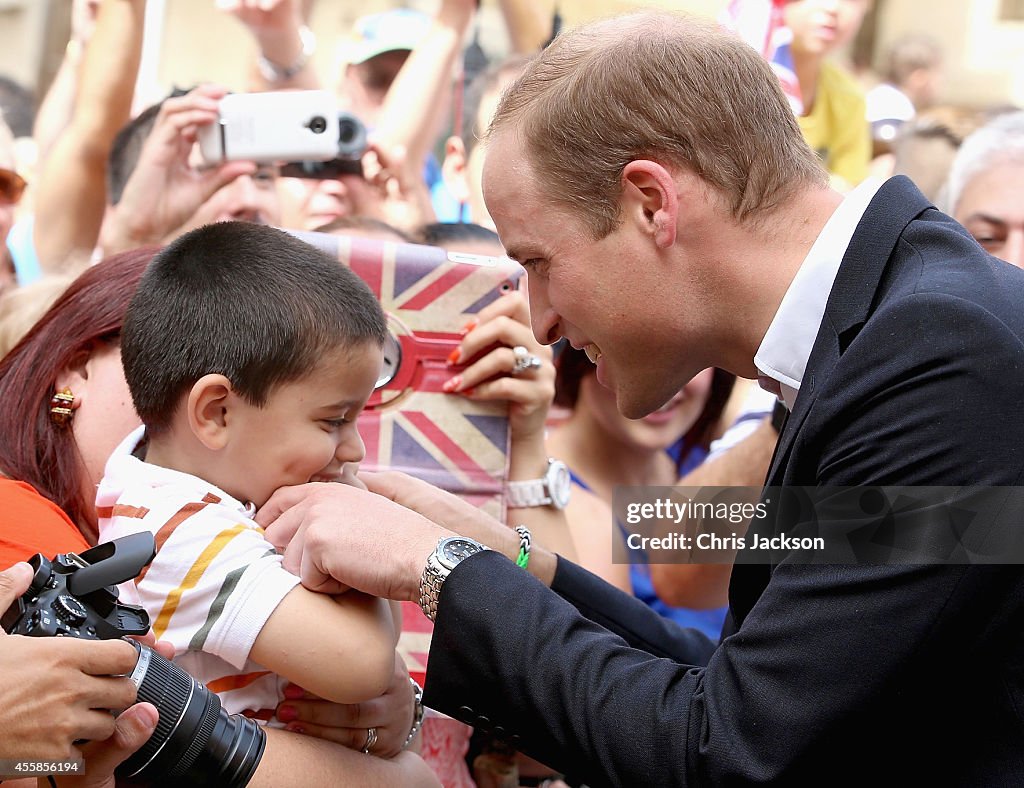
<point>543,319</point>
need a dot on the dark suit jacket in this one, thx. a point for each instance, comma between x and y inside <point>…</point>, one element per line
<point>836,674</point>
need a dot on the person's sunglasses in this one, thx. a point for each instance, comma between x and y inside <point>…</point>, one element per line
<point>12,186</point>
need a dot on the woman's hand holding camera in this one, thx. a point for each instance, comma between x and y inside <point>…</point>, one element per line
<point>56,692</point>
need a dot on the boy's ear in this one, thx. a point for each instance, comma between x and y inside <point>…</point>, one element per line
<point>207,410</point>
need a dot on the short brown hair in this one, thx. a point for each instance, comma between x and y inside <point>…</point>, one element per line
<point>663,86</point>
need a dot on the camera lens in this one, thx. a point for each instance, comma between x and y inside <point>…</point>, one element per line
<point>351,136</point>
<point>318,125</point>
<point>196,742</point>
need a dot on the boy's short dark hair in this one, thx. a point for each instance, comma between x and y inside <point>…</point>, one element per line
<point>249,302</point>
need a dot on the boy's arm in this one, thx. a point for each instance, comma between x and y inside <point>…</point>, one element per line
<point>340,648</point>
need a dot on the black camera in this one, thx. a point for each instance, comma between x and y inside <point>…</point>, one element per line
<point>196,742</point>
<point>351,147</point>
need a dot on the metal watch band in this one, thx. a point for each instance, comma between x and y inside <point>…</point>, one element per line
<point>430,587</point>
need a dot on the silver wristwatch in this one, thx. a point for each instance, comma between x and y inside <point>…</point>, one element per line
<point>551,490</point>
<point>446,555</point>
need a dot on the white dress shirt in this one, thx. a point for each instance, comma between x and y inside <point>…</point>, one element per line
<point>782,356</point>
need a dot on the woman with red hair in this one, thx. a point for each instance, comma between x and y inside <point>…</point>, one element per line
<point>52,451</point>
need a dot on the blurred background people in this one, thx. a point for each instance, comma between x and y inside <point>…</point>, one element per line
<point>925,146</point>
<point>985,192</point>
<point>834,120</point>
<point>911,82</point>
<point>12,186</point>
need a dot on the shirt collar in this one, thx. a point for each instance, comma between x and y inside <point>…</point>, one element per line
<point>786,347</point>
<point>124,467</point>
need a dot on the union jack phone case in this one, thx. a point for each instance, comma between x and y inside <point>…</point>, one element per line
<point>410,424</point>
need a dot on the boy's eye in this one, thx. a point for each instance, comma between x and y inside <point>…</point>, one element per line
<point>336,423</point>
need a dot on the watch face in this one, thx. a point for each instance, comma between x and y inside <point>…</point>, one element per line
<point>455,548</point>
<point>559,484</point>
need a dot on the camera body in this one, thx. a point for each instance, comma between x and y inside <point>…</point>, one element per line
<point>76,596</point>
<point>352,143</point>
<point>196,743</point>
<point>293,125</point>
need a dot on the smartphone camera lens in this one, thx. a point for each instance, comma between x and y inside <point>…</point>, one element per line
<point>318,125</point>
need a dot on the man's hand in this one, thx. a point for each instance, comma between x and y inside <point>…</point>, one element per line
<point>264,16</point>
<point>443,508</point>
<point>336,536</point>
<point>393,189</point>
<point>57,690</point>
<point>457,515</point>
<point>165,190</point>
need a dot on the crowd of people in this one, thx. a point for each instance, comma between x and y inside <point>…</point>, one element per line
<point>697,204</point>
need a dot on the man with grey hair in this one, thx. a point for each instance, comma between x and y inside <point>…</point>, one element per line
<point>649,175</point>
<point>985,190</point>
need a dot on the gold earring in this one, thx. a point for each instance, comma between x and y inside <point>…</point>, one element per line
<point>61,407</point>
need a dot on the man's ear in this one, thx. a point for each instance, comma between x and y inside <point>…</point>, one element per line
<point>209,401</point>
<point>649,198</point>
<point>453,170</point>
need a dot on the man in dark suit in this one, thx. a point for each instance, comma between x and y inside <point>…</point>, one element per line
<point>648,174</point>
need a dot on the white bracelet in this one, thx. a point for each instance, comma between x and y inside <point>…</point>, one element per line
<point>273,72</point>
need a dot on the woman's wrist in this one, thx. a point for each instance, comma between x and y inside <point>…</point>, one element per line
<point>528,458</point>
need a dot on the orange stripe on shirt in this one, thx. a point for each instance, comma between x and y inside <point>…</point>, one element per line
<point>122,510</point>
<point>220,541</point>
<point>167,528</point>
<point>228,683</point>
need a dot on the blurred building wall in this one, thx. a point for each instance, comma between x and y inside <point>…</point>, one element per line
<point>192,41</point>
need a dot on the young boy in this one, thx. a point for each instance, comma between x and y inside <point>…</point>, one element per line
<point>249,355</point>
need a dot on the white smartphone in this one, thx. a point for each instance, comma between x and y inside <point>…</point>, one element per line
<point>292,125</point>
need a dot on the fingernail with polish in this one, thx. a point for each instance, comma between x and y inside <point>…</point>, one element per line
<point>287,713</point>
<point>469,326</point>
<point>468,392</point>
<point>454,356</point>
<point>452,384</point>
<point>294,728</point>
<point>293,692</point>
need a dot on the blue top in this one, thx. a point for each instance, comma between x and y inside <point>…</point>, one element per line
<point>708,621</point>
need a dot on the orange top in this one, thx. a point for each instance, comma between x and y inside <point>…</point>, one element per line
<point>30,524</point>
